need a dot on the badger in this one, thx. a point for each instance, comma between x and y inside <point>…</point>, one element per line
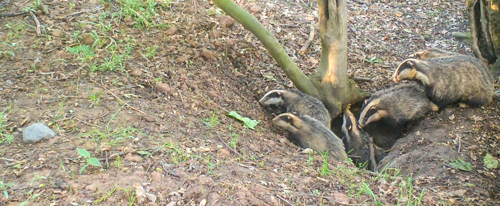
<point>432,53</point>
<point>396,106</point>
<point>450,79</point>
<point>308,132</point>
<point>297,102</point>
<point>358,143</point>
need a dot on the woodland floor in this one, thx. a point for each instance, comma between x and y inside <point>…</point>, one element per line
<point>152,93</point>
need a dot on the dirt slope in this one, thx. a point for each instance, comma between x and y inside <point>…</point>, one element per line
<point>150,94</point>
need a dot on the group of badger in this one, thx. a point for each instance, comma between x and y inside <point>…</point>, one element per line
<point>437,79</point>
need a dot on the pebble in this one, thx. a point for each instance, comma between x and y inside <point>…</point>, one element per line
<point>37,132</point>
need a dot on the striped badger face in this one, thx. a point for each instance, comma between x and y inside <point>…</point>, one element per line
<point>373,111</point>
<point>273,98</point>
<point>288,121</point>
<point>412,69</point>
<point>351,131</point>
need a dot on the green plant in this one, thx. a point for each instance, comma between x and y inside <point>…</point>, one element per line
<point>106,196</point>
<point>95,98</point>
<point>4,187</point>
<point>142,12</point>
<point>234,141</point>
<point>462,165</point>
<point>90,160</point>
<point>210,165</point>
<point>373,60</point>
<point>213,120</point>
<point>84,53</point>
<point>366,190</point>
<point>490,162</point>
<point>324,168</point>
<point>247,122</point>
<point>151,52</point>
<point>5,137</point>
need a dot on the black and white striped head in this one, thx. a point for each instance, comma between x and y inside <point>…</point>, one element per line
<point>412,69</point>
<point>274,98</point>
<point>289,122</point>
<point>372,112</point>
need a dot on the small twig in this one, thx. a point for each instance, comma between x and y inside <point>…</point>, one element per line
<point>75,13</point>
<point>361,79</point>
<point>118,98</point>
<point>229,147</point>
<point>38,29</point>
<point>372,155</point>
<point>182,99</point>
<point>284,200</point>
<point>13,14</point>
<point>24,121</point>
<point>306,45</point>
<point>459,144</point>
<point>195,10</point>
<point>86,123</point>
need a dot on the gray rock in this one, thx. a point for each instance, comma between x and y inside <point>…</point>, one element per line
<point>36,132</point>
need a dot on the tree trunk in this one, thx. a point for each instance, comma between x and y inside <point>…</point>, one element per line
<point>329,83</point>
<point>484,21</point>
<point>335,89</point>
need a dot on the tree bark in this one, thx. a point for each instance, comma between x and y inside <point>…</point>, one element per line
<point>272,45</point>
<point>484,22</point>
<point>336,90</point>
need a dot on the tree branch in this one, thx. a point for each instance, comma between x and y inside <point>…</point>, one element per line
<point>272,45</point>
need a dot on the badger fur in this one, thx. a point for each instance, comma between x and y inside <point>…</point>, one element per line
<point>396,106</point>
<point>297,102</point>
<point>450,79</point>
<point>308,132</point>
<point>358,143</point>
<point>432,53</point>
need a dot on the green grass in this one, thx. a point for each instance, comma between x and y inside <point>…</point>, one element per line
<point>4,187</point>
<point>95,98</point>
<point>90,160</point>
<point>213,120</point>
<point>324,167</point>
<point>5,135</point>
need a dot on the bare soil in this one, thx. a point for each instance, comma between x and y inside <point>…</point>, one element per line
<point>159,122</point>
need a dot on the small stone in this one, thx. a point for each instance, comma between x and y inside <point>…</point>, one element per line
<point>183,58</point>
<point>173,30</point>
<point>36,132</point>
<point>44,8</point>
<point>136,72</point>
<point>207,54</point>
<point>341,198</point>
<point>57,33</point>
<point>87,39</point>
<point>165,88</point>
<point>156,176</point>
<point>226,21</point>
<point>255,9</point>
<point>224,152</point>
<point>132,158</point>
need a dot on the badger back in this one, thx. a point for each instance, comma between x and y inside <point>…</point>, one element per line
<point>310,106</point>
<point>452,79</point>
<point>400,104</point>
<point>318,130</point>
